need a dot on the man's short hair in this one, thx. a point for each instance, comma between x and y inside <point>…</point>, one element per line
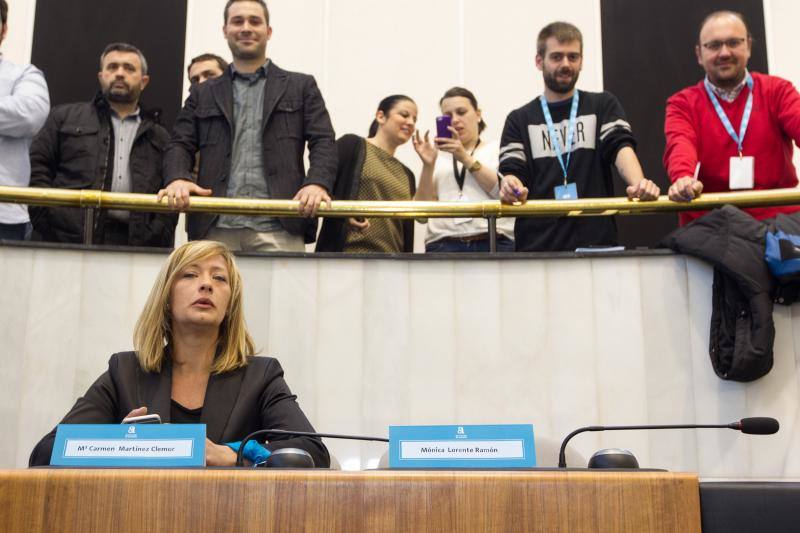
<point>124,47</point>
<point>208,57</point>
<point>261,2</point>
<point>564,32</point>
<point>723,13</point>
<point>3,12</point>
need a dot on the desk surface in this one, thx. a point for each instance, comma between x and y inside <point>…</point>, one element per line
<point>321,500</point>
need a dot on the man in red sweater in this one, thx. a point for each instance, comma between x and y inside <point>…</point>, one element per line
<point>736,125</point>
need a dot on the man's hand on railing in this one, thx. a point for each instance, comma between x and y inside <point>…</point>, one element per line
<point>512,191</point>
<point>310,197</point>
<point>685,189</point>
<point>178,192</point>
<point>645,191</point>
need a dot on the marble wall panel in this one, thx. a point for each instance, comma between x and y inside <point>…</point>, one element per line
<point>433,346</point>
<point>368,343</point>
<point>667,350</point>
<point>619,361</point>
<point>52,335</point>
<point>340,357</point>
<point>13,327</point>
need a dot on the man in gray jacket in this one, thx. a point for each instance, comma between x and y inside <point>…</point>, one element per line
<point>24,103</point>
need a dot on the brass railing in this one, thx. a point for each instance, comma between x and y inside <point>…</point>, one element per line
<point>91,200</point>
<point>344,208</point>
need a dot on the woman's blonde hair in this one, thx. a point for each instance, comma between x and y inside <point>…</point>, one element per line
<point>153,329</point>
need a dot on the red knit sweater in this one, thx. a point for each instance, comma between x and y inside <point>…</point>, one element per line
<point>695,133</point>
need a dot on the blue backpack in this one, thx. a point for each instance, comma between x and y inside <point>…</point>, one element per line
<point>782,254</point>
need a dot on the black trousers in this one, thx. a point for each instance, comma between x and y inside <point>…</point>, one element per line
<point>113,232</point>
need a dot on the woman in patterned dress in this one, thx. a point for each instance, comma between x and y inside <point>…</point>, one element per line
<point>368,170</point>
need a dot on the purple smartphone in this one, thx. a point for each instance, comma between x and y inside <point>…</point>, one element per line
<point>442,123</point>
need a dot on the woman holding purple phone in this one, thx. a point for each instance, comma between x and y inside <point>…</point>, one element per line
<point>368,170</point>
<point>465,172</point>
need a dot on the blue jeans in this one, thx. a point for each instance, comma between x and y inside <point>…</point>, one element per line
<point>15,232</point>
<point>450,245</point>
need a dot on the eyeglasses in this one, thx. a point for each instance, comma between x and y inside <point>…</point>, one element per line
<point>716,46</point>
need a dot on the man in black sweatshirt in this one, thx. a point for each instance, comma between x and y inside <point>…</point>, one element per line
<point>562,145</point>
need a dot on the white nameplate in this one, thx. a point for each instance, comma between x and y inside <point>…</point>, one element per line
<point>473,449</point>
<point>140,449</point>
<point>488,446</point>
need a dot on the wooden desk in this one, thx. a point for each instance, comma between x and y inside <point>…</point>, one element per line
<point>321,500</point>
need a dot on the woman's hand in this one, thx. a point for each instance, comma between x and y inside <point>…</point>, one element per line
<point>219,455</point>
<point>426,150</point>
<point>453,145</point>
<point>358,224</point>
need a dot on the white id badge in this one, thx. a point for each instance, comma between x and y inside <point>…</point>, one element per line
<point>741,173</point>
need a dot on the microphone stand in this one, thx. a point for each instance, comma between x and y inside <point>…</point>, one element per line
<point>562,455</point>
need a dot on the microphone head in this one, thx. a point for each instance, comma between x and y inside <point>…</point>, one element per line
<point>289,458</point>
<point>613,458</point>
<point>759,425</point>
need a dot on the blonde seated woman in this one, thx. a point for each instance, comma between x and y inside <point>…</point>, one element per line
<point>194,363</point>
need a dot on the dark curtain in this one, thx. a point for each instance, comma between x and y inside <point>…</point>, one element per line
<point>69,37</point>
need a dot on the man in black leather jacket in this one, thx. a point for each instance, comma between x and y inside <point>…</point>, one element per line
<point>110,143</point>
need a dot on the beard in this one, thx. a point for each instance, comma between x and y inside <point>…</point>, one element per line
<point>551,80</point>
<point>120,95</point>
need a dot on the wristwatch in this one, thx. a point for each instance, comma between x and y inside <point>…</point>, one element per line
<point>476,166</point>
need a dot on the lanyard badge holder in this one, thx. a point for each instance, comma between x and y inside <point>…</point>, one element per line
<point>460,178</point>
<point>568,191</point>
<point>742,168</point>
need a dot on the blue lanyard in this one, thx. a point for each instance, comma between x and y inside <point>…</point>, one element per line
<point>573,114</point>
<point>748,109</point>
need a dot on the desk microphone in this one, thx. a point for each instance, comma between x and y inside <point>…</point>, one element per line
<point>294,457</point>
<point>758,425</point>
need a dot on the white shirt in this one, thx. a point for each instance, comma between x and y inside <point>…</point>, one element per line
<point>24,105</point>
<point>124,135</point>
<point>447,191</point>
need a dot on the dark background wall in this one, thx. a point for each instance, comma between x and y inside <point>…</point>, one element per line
<point>69,37</point>
<point>648,55</point>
